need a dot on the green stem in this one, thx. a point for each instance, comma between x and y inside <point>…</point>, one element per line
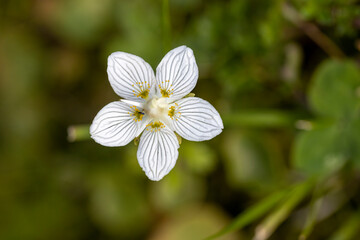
<point>262,118</point>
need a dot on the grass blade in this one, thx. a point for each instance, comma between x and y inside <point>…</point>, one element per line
<point>252,214</point>
<point>269,225</point>
<point>349,230</point>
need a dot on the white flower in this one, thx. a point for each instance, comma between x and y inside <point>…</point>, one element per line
<point>156,107</point>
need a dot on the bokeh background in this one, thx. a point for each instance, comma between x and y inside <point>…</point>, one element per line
<point>284,76</point>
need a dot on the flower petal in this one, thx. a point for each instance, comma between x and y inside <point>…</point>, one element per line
<point>177,73</point>
<point>130,76</point>
<point>158,150</point>
<point>195,119</point>
<point>117,124</point>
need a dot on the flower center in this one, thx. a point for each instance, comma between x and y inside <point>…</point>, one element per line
<point>157,108</point>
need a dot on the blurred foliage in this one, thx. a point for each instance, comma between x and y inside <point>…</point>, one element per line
<point>338,14</point>
<point>287,165</point>
<point>334,94</point>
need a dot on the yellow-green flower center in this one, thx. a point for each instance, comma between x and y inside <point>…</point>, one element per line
<point>157,108</point>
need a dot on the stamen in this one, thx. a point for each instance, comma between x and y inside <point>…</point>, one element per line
<point>165,93</point>
<point>144,94</point>
<point>137,114</point>
<point>142,90</point>
<point>165,90</point>
<point>174,112</point>
<point>171,112</point>
<point>155,126</point>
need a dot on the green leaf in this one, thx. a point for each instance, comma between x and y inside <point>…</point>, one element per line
<point>352,139</point>
<point>333,91</point>
<point>319,152</point>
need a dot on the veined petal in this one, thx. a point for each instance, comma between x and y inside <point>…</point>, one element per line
<point>117,124</point>
<point>158,150</point>
<point>195,119</point>
<point>177,73</point>
<point>130,76</point>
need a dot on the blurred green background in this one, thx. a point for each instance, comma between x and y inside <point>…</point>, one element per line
<point>284,76</point>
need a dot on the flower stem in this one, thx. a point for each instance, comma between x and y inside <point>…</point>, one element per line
<point>264,118</point>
